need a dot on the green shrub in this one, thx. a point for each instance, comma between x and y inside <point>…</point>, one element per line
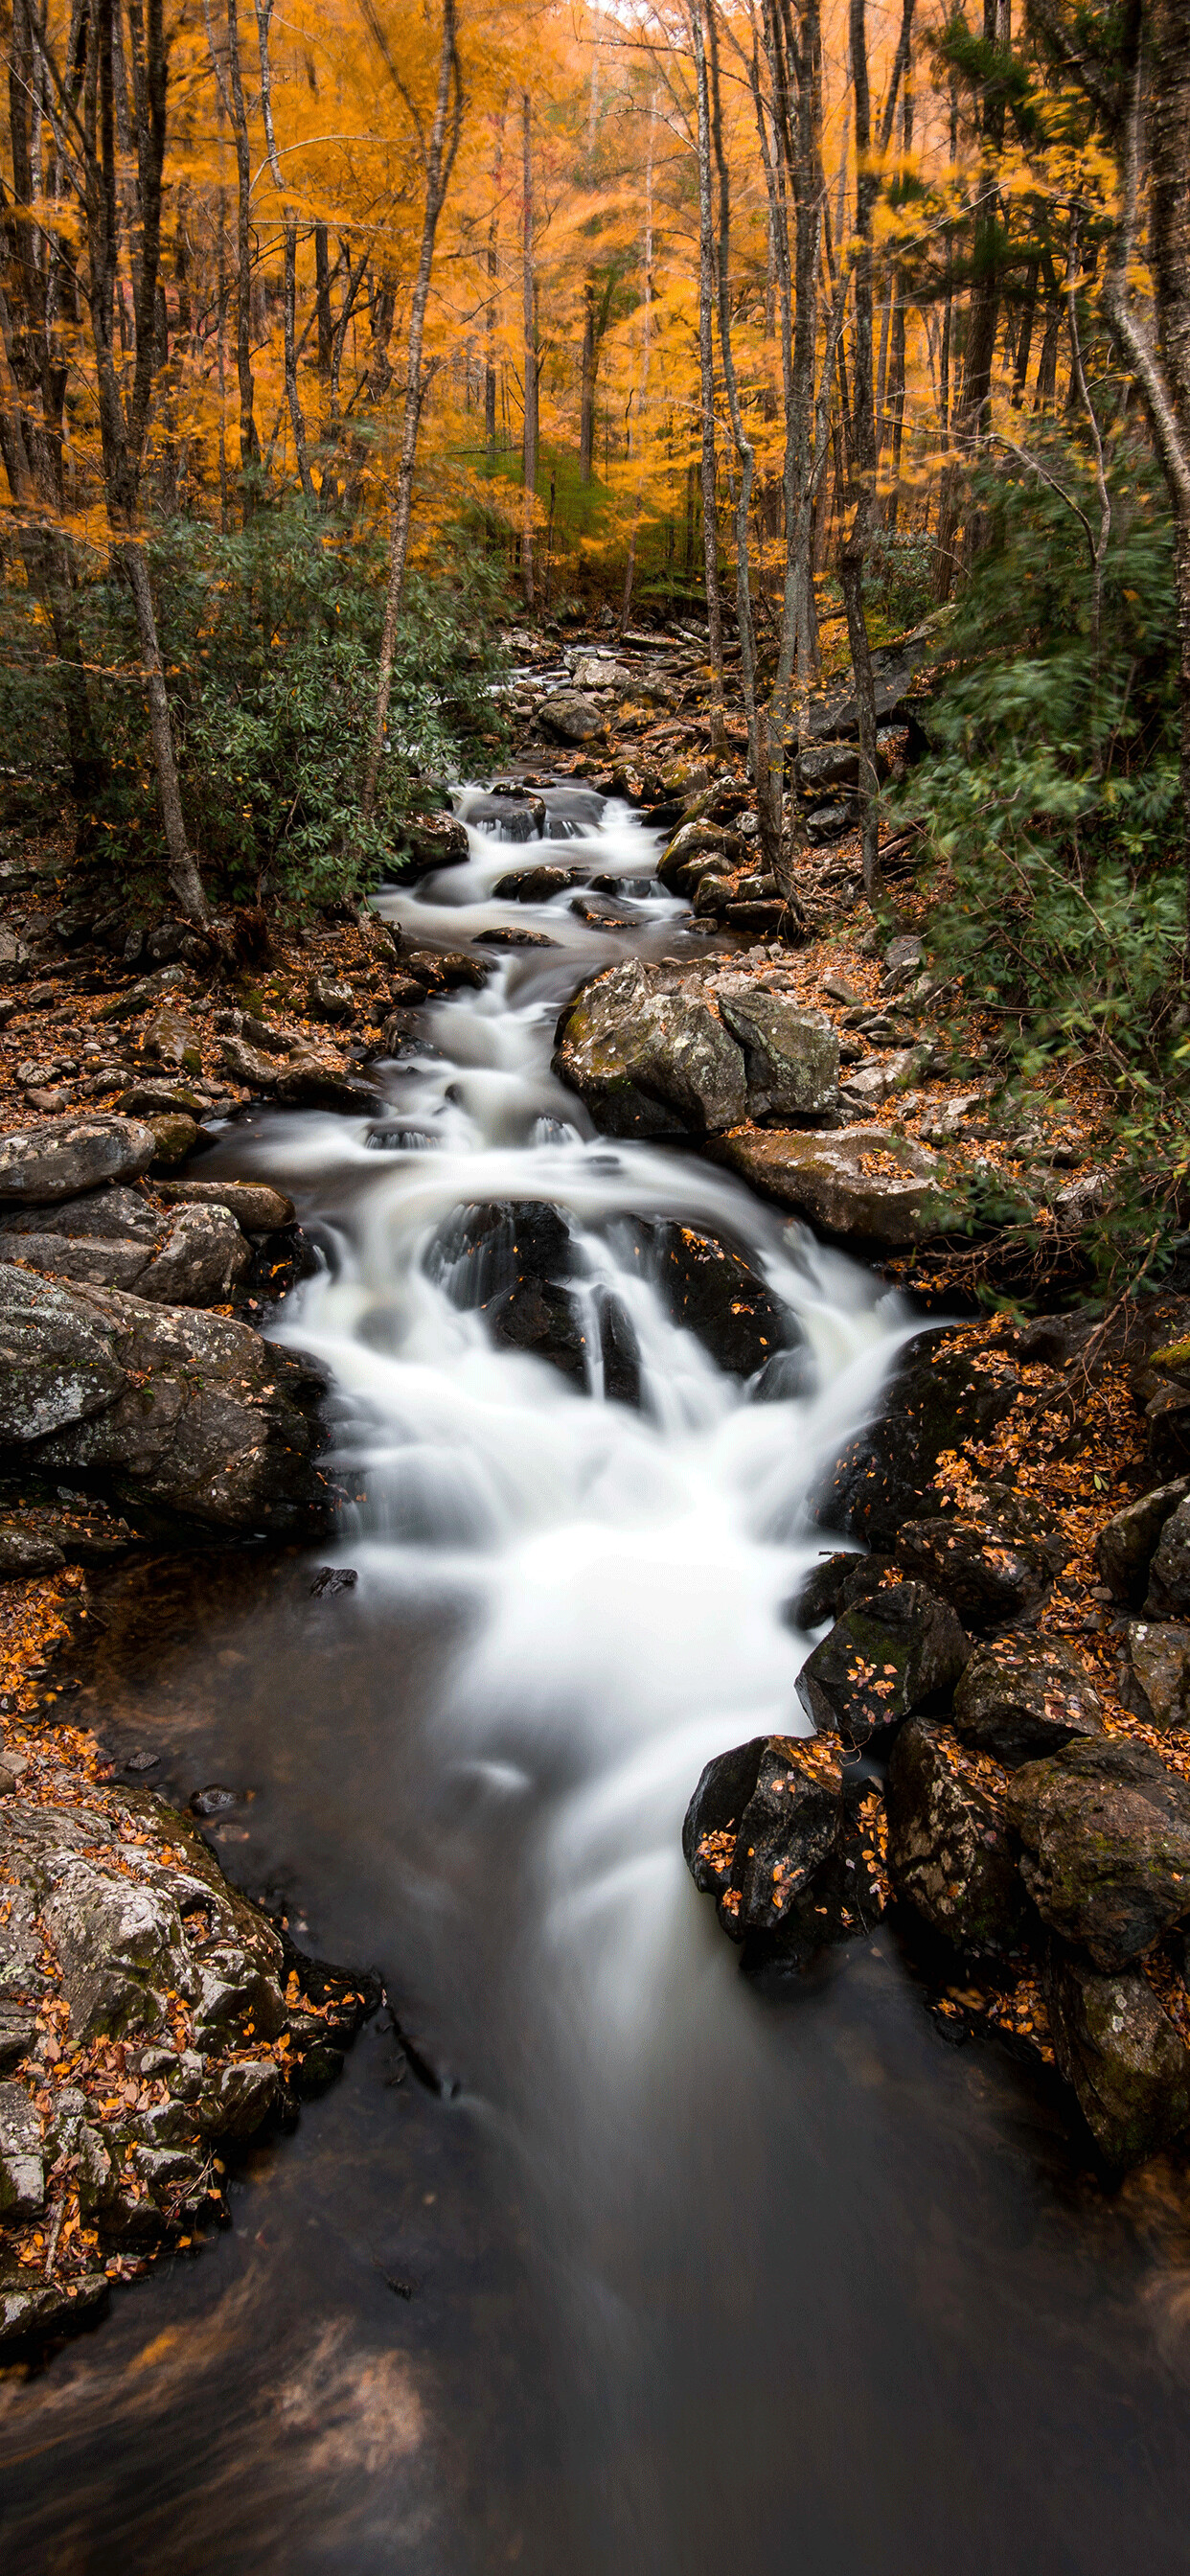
<point>270,639</point>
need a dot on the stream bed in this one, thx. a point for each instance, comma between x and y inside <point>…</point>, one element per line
<point>625,2262</point>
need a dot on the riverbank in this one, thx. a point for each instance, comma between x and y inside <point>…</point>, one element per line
<point>139,1288</point>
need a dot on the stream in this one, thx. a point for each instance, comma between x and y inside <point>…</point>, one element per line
<point>626,2263</point>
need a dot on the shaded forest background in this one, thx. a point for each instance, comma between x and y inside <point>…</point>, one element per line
<point>334,340</point>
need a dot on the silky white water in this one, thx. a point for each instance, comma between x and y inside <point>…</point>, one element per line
<point>626,1573</point>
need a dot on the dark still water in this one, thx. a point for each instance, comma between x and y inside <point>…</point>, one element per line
<point>668,2275</point>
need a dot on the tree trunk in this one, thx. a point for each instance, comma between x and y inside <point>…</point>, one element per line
<point>183,875</point>
<point>296,415</point>
<point>851,565</point>
<point>439,162</point>
<point>489,368</point>
<point>529,317</point>
<point>586,432</point>
<point>249,440</point>
<point>706,369</point>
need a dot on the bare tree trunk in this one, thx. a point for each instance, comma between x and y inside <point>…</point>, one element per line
<point>586,429</point>
<point>249,440</point>
<point>322,290</point>
<point>745,622</point>
<point>706,365</point>
<point>296,414</point>
<point>1160,360</point>
<point>851,562</point>
<point>529,315</point>
<point>438,161</point>
<point>489,369</point>
<point>646,354</point>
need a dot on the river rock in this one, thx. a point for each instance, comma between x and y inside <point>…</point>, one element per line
<point>259,1209</point>
<point>649,1058</point>
<point>1125,2057</point>
<point>202,1259</point>
<point>986,1576</point>
<point>888,1654</point>
<point>188,1412</point>
<point>832,1586</point>
<point>1169,1569</point>
<point>248,1064</point>
<point>27,1551</point>
<point>144,1926</point>
<point>511,1262</point>
<point>435,840</point>
<point>174,1139</point>
<point>105,1264</point>
<point>1158,1678</point>
<point>42,1164</point>
<point>791,1056</point>
<point>696,848</point>
<point>761,1821</point>
<point>1019,1701</point>
<point>569,716</point>
<point>105,1215</point>
<point>1106,1833</point>
<point>171,1040</point>
<point>329,999</point>
<point>535,885</point>
<point>948,1852</point>
<point>712,1293</point>
<point>938,1397</point>
<point>860,1181</point>
<point>310,1080</point>
<point>1126,1544</point>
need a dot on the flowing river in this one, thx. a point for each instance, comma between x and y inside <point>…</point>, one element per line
<point>626,2265</point>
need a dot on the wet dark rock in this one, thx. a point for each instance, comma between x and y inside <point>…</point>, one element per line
<point>213,1800</point>
<point>190,1412</point>
<point>986,1576</point>
<point>27,1551</point>
<point>515,939</point>
<point>1157,1684</point>
<point>1169,1568</point>
<point>1019,1701</point>
<point>332,1579</point>
<point>34,2308</point>
<point>202,1259</point>
<point>543,1320</point>
<point>619,1352</point>
<point>938,1397</point>
<point>894,1651</point>
<point>508,818</point>
<point>535,885</point>
<point>760,1823</point>
<point>510,1262</point>
<point>787,1377</point>
<point>311,1081</point>
<point>1106,1833</point>
<point>948,1852</point>
<point>1126,1544</point>
<point>1125,2057</point>
<point>599,916</point>
<point>142,1761</point>
<point>766,920</point>
<point>711,1292</point>
<point>648,1056</point>
<point>58,1160</point>
<point>832,1586</point>
<point>435,841</point>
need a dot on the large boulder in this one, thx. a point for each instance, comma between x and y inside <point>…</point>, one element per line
<point>649,1058</point>
<point>115,1239</point>
<point>938,1396</point>
<point>895,1651</point>
<point>1105,1829</point>
<point>1169,1569</point>
<point>948,1852</point>
<point>1158,1673</point>
<point>1125,2057</point>
<point>513,1262</point>
<point>987,1576</point>
<point>188,1416</point>
<point>435,840</point>
<point>791,1055</point>
<point>535,885</point>
<point>1020,1700</point>
<point>710,1291</point>
<point>860,1181</point>
<point>569,716</point>
<point>147,1944</point>
<point>41,1164</point>
<point>1126,1544</point>
<point>760,1823</point>
<point>255,1205</point>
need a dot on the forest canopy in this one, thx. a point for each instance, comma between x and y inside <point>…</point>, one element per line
<point>327,335</point>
